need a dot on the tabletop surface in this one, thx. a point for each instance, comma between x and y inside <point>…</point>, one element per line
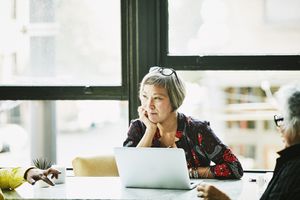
<point>111,188</point>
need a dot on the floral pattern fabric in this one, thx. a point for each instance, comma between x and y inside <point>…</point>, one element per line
<point>201,146</point>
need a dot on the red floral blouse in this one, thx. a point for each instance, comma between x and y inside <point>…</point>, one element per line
<point>200,144</point>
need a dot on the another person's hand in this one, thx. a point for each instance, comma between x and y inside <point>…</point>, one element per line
<point>210,192</point>
<point>34,175</point>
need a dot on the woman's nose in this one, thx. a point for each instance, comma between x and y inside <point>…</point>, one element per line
<point>149,103</point>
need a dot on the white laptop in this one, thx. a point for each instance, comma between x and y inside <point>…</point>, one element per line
<point>153,168</point>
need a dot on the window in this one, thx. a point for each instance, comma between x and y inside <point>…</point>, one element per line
<point>54,44</point>
<point>61,60</point>
<point>145,33</point>
<point>249,47</point>
<point>82,128</point>
<point>240,107</point>
<point>222,27</point>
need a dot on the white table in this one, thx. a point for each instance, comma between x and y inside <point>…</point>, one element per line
<point>111,188</point>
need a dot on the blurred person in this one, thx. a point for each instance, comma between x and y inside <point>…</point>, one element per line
<point>285,183</point>
<point>11,178</point>
<point>160,125</point>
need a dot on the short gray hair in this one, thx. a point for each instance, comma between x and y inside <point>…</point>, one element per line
<point>173,84</point>
<point>289,101</point>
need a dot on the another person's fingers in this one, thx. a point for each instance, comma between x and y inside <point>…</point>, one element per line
<point>52,171</point>
<point>201,187</point>
<point>210,192</point>
<point>200,194</point>
<point>202,190</point>
<point>31,181</point>
<point>47,180</point>
<point>54,176</point>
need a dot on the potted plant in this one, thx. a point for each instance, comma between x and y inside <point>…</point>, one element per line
<point>42,163</point>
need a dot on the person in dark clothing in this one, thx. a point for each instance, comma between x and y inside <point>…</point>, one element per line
<point>285,183</point>
<point>160,125</point>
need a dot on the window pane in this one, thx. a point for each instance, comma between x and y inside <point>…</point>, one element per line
<point>89,128</point>
<point>226,27</point>
<point>14,134</point>
<point>240,107</point>
<point>62,42</point>
<point>84,128</point>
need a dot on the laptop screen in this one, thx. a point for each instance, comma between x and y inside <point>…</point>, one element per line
<point>153,167</point>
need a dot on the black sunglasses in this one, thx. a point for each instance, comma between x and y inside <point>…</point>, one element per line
<point>164,71</point>
<point>278,120</point>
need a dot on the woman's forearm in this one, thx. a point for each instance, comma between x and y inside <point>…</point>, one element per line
<point>146,140</point>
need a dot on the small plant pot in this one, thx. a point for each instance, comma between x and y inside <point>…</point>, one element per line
<point>62,176</point>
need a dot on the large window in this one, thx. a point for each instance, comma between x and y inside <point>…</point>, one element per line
<point>62,80</point>
<point>82,128</point>
<point>62,58</point>
<point>232,38</point>
<point>238,27</point>
<point>240,107</point>
<point>50,43</point>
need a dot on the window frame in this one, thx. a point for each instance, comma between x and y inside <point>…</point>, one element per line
<point>220,62</point>
<point>76,92</point>
<point>144,43</point>
<point>224,62</point>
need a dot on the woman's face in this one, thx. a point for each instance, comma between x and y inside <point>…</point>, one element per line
<point>280,124</point>
<point>155,100</point>
<point>286,138</point>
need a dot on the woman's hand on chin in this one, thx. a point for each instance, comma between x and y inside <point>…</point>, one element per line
<point>143,116</point>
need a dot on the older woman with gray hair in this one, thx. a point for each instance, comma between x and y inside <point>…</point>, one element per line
<point>160,125</point>
<point>285,183</point>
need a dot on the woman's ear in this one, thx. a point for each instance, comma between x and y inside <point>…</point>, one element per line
<point>289,138</point>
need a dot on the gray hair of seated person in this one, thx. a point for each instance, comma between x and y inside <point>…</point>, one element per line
<point>174,86</point>
<point>289,101</point>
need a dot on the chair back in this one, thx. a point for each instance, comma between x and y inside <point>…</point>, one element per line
<point>104,165</point>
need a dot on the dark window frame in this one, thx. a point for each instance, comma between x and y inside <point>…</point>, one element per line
<point>76,92</point>
<point>144,43</point>
<point>224,62</point>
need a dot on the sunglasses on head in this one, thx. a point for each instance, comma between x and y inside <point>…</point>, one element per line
<point>164,71</point>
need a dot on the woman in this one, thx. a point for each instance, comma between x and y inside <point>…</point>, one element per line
<point>285,183</point>
<point>13,178</point>
<point>160,125</point>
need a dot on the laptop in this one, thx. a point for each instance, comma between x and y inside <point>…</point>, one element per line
<point>160,168</point>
